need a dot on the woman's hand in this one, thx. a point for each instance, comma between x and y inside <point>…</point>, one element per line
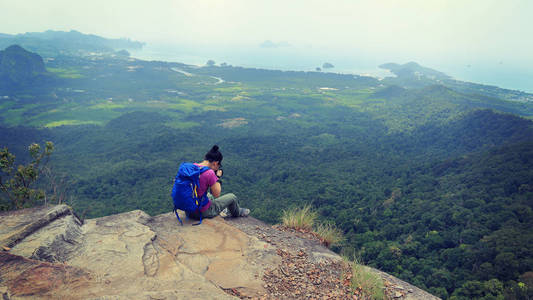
<point>219,173</point>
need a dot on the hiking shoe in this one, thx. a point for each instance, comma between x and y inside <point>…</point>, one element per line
<point>244,212</point>
<point>224,213</point>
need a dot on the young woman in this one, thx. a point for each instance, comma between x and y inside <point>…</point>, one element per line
<point>210,180</point>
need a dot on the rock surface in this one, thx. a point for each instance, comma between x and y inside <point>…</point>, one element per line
<point>49,253</point>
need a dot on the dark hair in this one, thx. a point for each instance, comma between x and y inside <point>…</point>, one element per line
<point>213,155</point>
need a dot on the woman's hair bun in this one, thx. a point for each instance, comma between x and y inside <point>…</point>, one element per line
<point>213,154</point>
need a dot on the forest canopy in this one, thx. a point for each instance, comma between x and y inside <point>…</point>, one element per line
<point>429,181</point>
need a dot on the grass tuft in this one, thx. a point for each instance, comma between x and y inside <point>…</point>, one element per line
<point>367,284</point>
<point>329,234</point>
<point>305,219</point>
<point>299,218</point>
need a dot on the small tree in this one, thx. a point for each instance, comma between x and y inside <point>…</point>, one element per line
<point>57,186</point>
<point>210,63</point>
<point>16,183</point>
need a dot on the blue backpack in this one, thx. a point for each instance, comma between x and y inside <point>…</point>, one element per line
<point>185,190</point>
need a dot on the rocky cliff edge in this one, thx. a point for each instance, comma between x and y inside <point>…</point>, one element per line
<point>48,252</point>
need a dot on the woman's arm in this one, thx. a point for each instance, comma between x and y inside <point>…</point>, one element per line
<point>216,189</point>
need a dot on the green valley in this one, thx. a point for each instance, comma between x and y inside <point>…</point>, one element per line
<point>429,178</point>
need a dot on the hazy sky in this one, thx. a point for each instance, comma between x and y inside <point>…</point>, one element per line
<point>488,30</point>
<point>484,26</point>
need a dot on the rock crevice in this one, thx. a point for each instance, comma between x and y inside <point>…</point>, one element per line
<point>150,260</point>
<point>26,222</point>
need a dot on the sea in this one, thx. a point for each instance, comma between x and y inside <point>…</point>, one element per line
<point>501,73</point>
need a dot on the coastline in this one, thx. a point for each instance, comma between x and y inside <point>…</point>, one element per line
<point>259,60</point>
<point>307,60</point>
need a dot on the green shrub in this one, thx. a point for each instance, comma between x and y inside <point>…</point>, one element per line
<point>16,182</point>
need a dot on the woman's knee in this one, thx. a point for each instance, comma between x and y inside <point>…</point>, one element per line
<point>228,196</point>
<point>232,195</point>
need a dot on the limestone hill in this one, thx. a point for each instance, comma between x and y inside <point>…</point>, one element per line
<point>48,252</point>
<point>20,68</point>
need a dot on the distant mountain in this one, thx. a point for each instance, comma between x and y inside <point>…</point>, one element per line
<point>412,69</point>
<point>54,43</point>
<point>20,68</point>
<point>271,44</point>
<point>413,75</point>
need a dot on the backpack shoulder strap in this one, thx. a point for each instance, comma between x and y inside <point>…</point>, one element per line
<point>203,169</point>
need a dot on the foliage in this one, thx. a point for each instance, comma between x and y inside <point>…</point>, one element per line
<point>16,183</point>
<point>431,184</point>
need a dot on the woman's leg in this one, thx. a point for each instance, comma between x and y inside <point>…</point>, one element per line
<point>218,205</point>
